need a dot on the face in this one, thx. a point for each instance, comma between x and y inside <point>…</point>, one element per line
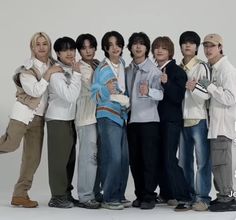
<point>87,52</point>
<point>41,48</point>
<point>212,52</point>
<point>188,49</point>
<point>114,50</point>
<point>161,54</point>
<point>138,49</point>
<point>67,57</point>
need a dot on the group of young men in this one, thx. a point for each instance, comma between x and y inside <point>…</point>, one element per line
<point>138,115</point>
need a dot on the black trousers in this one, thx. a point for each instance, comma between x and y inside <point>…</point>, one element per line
<point>143,139</point>
<point>172,182</point>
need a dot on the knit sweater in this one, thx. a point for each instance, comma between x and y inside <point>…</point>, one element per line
<point>101,94</point>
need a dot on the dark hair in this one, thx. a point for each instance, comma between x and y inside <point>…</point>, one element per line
<point>81,38</point>
<point>164,42</point>
<point>63,44</point>
<point>190,36</point>
<point>141,38</point>
<point>105,41</point>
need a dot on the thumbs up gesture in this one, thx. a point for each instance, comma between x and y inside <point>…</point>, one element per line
<point>164,77</point>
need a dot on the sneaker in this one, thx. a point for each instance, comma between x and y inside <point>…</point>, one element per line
<point>200,206</point>
<point>147,205</point>
<point>126,203</point>
<point>72,199</point>
<point>160,200</point>
<point>136,203</point>
<point>172,202</point>
<point>24,202</point>
<point>112,205</point>
<point>182,207</point>
<point>223,206</point>
<point>60,202</point>
<point>213,202</point>
<point>90,204</point>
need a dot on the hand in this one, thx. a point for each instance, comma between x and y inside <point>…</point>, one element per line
<point>143,88</point>
<point>111,85</point>
<point>164,77</point>
<point>51,70</point>
<point>76,67</point>
<point>190,84</point>
<point>204,82</point>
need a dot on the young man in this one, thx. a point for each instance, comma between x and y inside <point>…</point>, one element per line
<point>221,132</point>
<point>194,132</point>
<point>26,120</point>
<point>85,122</point>
<point>64,89</point>
<point>144,89</point>
<point>108,91</point>
<point>173,185</point>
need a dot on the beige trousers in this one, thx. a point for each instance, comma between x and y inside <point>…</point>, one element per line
<point>32,148</point>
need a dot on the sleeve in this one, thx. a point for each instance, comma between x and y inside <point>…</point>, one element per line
<point>67,92</point>
<point>100,92</point>
<point>200,94</point>
<point>155,89</point>
<point>225,93</point>
<point>32,86</point>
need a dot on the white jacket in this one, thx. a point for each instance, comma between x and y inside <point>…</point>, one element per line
<point>194,105</point>
<point>64,89</point>
<point>223,100</point>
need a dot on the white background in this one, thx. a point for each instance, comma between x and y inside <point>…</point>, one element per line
<point>19,20</point>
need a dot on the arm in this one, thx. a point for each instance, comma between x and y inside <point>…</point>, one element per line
<point>226,92</point>
<point>155,89</point>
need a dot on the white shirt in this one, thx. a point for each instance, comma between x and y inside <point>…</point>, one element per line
<point>86,107</point>
<point>63,94</point>
<point>34,88</point>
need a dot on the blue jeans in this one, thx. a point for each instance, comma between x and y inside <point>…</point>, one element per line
<point>196,136</point>
<point>114,167</point>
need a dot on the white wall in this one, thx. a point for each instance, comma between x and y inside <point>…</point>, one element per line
<point>19,20</point>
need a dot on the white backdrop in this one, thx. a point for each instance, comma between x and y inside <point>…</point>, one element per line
<point>19,20</point>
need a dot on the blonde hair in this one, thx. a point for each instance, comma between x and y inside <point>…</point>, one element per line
<point>34,40</point>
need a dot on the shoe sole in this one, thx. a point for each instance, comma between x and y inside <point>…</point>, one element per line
<point>22,205</point>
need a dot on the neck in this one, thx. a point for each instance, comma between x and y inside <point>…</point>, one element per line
<point>115,60</point>
<point>139,60</point>
<point>186,59</point>
<point>42,59</point>
<point>161,63</point>
<point>215,59</point>
<point>90,62</point>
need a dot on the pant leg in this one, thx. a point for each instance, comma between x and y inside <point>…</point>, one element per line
<point>124,162</point>
<point>60,151</point>
<point>203,161</point>
<point>111,137</point>
<point>186,157</point>
<point>11,140</point>
<point>31,156</point>
<point>221,152</point>
<point>174,179</point>
<point>135,159</point>
<point>150,141</point>
<point>87,161</point>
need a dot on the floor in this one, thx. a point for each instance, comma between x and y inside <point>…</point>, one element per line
<point>43,212</point>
